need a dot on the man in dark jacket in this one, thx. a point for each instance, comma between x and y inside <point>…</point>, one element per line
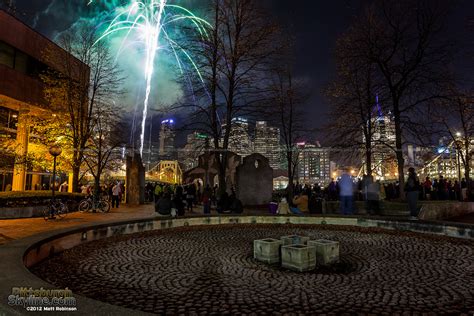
<point>164,204</point>
<point>412,188</point>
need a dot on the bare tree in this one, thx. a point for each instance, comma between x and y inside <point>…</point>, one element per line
<point>108,134</point>
<point>231,60</point>
<point>455,119</point>
<point>403,40</point>
<point>285,111</point>
<point>355,107</point>
<point>83,76</point>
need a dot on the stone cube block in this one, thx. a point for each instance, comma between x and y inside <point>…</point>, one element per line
<point>327,251</point>
<point>298,257</point>
<point>267,250</point>
<point>294,240</point>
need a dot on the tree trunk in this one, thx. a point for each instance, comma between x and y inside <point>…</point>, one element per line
<point>97,187</point>
<point>289,158</point>
<point>368,161</point>
<point>75,178</point>
<point>399,152</point>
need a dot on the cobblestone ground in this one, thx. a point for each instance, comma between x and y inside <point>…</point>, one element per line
<point>211,271</point>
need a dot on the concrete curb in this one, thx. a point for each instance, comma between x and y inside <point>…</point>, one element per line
<point>20,254</point>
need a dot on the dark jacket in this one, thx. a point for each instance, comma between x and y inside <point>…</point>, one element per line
<point>412,184</point>
<point>164,205</point>
<point>178,203</point>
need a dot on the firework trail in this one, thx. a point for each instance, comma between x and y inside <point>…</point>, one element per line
<point>146,21</point>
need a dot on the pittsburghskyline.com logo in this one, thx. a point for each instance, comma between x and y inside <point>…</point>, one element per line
<point>38,300</point>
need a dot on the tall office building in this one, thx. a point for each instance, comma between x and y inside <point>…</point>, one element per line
<point>383,142</point>
<point>446,160</point>
<point>239,139</point>
<point>167,134</point>
<point>383,157</point>
<point>314,165</point>
<point>267,143</point>
<point>195,146</point>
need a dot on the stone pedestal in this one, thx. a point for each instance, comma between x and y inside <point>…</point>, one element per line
<point>294,240</point>
<point>298,257</point>
<point>327,251</point>
<point>267,250</point>
<point>135,183</point>
<point>254,180</point>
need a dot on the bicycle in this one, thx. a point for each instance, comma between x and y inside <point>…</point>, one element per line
<point>55,208</point>
<point>91,204</point>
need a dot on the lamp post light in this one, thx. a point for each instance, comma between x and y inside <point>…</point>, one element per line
<point>55,151</point>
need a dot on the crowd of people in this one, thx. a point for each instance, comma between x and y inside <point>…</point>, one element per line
<point>113,192</point>
<point>348,189</point>
<point>176,200</point>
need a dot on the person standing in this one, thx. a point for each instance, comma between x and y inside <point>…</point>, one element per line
<point>442,188</point>
<point>427,188</point>
<point>190,195</point>
<point>412,188</point>
<point>206,200</point>
<point>346,192</point>
<point>63,187</point>
<point>373,196</point>
<point>158,191</point>
<point>116,191</point>
<point>332,190</point>
<point>178,201</point>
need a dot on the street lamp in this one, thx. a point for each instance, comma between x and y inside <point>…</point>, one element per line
<point>55,151</point>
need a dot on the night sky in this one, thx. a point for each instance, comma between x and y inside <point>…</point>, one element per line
<point>315,24</point>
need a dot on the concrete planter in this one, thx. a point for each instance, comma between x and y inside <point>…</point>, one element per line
<point>327,251</point>
<point>267,250</point>
<point>294,240</point>
<point>298,257</point>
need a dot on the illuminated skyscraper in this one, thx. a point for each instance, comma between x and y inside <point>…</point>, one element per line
<point>267,143</point>
<point>195,146</point>
<point>167,134</point>
<point>383,143</point>
<point>239,139</point>
<point>314,165</point>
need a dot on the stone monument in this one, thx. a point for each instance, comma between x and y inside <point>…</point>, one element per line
<point>254,180</point>
<point>135,182</point>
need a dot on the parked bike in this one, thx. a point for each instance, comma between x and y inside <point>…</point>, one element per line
<point>89,204</point>
<point>56,208</point>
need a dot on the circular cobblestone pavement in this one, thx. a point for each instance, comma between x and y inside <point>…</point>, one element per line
<point>210,270</point>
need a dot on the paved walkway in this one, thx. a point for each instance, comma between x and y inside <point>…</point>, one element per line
<point>11,229</point>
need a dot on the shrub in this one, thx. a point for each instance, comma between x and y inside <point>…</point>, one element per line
<point>34,198</point>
